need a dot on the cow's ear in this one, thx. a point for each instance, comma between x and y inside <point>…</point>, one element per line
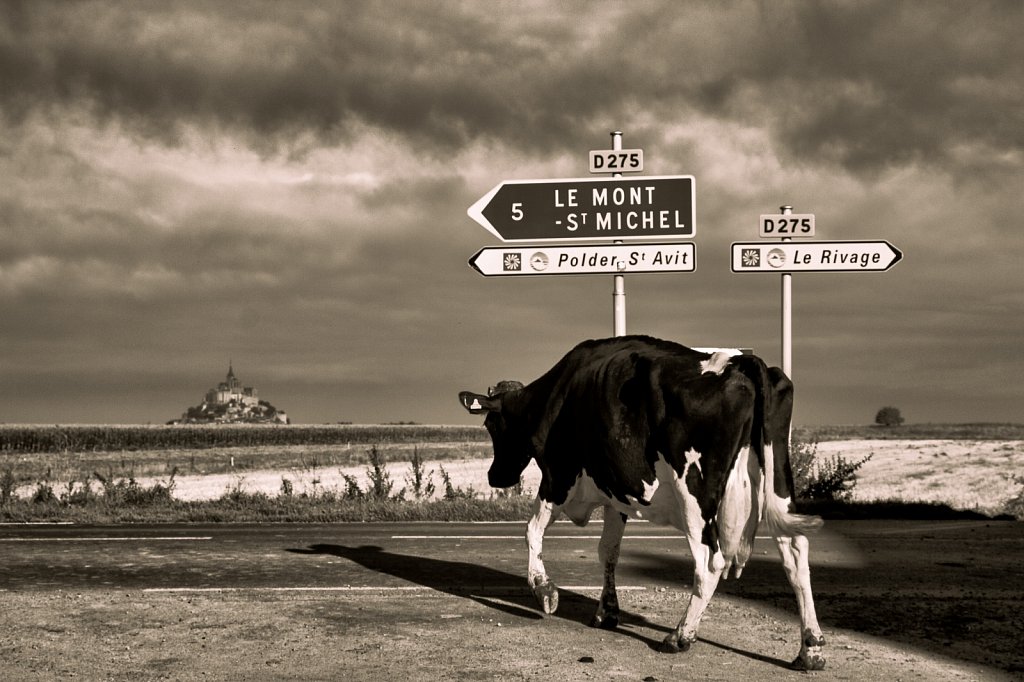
<point>478,404</point>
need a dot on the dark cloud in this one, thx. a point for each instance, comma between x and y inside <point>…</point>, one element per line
<point>866,85</point>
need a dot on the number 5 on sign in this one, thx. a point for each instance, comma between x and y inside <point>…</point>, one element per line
<point>517,211</point>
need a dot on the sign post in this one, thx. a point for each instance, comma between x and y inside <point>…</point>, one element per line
<point>787,312</point>
<point>619,285</point>
<point>787,257</point>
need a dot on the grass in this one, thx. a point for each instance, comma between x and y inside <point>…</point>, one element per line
<point>975,431</point>
<point>218,460</point>
<point>243,507</point>
<point>115,496</point>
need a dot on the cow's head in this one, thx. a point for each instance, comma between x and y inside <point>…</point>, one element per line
<point>507,426</point>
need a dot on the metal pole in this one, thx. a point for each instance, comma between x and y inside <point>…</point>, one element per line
<point>787,313</point>
<point>619,290</point>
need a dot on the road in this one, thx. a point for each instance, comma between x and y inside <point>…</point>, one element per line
<point>944,598</point>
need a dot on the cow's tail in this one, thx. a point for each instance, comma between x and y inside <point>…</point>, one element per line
<point>773,407</point>
<point>779,521</point>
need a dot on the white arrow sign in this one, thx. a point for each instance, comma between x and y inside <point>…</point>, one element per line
<point>844,256</point>
<point>589,209</point>
<point>583,260</point>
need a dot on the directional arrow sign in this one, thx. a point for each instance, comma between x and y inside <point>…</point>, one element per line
<point>847,256</point>
<point>649,207</point>
<point>583,260</point>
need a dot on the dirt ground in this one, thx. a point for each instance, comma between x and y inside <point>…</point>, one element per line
<point>421,636</point>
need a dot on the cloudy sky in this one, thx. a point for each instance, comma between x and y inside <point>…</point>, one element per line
<point>284,186</point>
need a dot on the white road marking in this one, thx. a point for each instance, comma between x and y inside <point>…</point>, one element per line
<point>520,537</point>
<point>546,537</point>
<point>372,588</point>
<point>182,538</point>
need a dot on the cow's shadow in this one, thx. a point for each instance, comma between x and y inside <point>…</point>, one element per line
<point>495,589</point>
<point>498,590</point>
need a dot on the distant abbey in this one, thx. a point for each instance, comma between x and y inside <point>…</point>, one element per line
<point>231,389</point>
<point>232,403</point>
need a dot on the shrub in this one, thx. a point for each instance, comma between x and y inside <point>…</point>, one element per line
<point>44,493</point>
<point>420,480</point>
<point>801,457</point>
<point>8,483</point>
<point>75,494</point>
<point>1015,505</point>
<point>832,479</point>
<point>451,492</point>
<point>128,493</point>
<point>380,480</point>
<point>287,488</point>
<point>352,490</point>
<point>889,416</point>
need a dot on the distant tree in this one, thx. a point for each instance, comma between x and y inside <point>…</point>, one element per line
<point>889,416</point>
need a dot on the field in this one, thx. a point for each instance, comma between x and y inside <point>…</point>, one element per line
<point>961,466</point>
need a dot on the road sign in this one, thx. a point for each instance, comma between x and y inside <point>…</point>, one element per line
<point>786,225</point>
<point>843,256</point>
<point>616,160</point>
<point>595,209</point>
<point>583,260</point>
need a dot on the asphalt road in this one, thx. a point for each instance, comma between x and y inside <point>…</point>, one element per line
<point>955,588</point>
<point>483,559</point>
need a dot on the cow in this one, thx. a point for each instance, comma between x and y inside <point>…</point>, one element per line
<point>651,429</point>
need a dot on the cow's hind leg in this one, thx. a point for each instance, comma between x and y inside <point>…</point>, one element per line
<point>607,615</point>
<point>795,560</point>
<point>544,514</point>
<point>706,574</point>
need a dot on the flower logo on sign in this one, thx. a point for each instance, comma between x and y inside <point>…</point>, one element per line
<point>512,262</point>
<point>751,258</point>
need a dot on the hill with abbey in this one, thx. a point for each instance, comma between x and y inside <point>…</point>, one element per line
<point>232,403</point>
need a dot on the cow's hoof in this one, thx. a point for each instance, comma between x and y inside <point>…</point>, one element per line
<point>671,645</point>
<point>811,657</point>
<point>547,596</point>
<point>609,621</point>
<point>808,662</point>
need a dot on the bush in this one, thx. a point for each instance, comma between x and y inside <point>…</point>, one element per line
<point>420,480</point>
<point>352,490</point>
<point>43,493</point>
<point>801,459</point>
<point>451,493</point>
<point>832,479</point>
<point>889,416</point>
<point>8,483</point>
<point>1015,505</point>
<point>380,480</point>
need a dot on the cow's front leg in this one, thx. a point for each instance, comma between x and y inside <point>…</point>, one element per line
<point>706,574</point>
<point>607,615</point>
<point>795,553</point>
<point>544,514</point>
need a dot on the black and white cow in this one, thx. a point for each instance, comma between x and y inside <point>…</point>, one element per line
<point>654,430</point>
